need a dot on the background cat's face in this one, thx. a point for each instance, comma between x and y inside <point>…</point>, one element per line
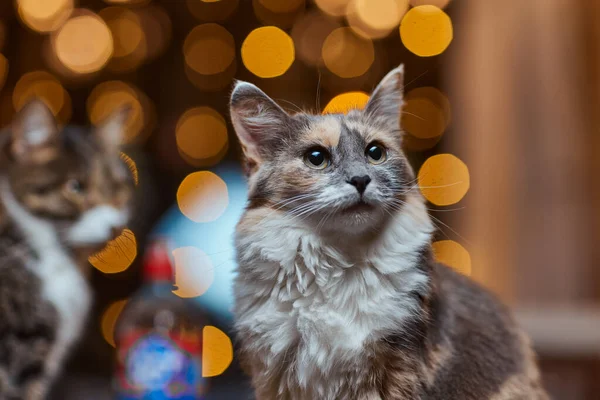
<point>338,171</point>
<point>72,178</point>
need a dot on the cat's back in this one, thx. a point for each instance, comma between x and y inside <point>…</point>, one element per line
<point>476,350</point>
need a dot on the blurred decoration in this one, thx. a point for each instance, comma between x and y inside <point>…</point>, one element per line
<point>43,85</point>
<point>375,19</point>
<point>201,135</point>
<point>342,103</point>
<point>131,164</point>
<point>437,3</point>
<point>444,179</point>
<point>117,255</point>
<point>109,320</point>
<point>452,254</point>
<point>3,70</point>
<point>336,8</point>
<point>130,45</point>
<point>279,13</point>
<point>194,272</point>
<point>346,54</point>
<point>212,11</point>
<point>44,15</point>
<point>309,34</point>
<point>157,28</point>
<point>426,31</point>
<point>217,351</point>
<point>425,116</point>
<point>84,44</point>
<point>268,52</point>
<point>202,196</point>
<point>109,96</point>
<point>217,71</point>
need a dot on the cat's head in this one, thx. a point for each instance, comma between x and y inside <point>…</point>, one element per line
<point>70,180</point>
<point>339,172</point>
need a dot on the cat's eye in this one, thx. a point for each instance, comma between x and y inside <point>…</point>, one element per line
<point>74,186</point>
<point>376,153</point>
<point>317,158</point>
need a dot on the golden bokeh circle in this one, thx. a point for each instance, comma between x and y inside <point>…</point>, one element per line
<point>335,8</point>
<point>109,319</point>
<point>375,18</point>
<point>44,15</point>
<point>452,254</point>
<point>194,272</point>
<point>129,38</point>
<point>268,52</point>
<point>426,113</point>
<point>84,44</point>
<point>342,103</point>
<point>202,196</point>
<point>107,97</point>
<point>309,33</point>
<point>209,49</point>
<point>217,351</point>
<point>117,255</point>
<point>346,54</point>
<point>444,179</point>
<point>426,31</point>
<point>201,134</point>
<point>44,86</point>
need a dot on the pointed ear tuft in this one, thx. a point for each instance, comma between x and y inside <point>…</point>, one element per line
<point>111,130</point>
<point>385,103</point>
<point>259,122</point>
<point>35,134</point>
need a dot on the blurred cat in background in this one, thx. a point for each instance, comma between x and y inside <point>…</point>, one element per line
<point>64,193</point>
<point>338,295</point>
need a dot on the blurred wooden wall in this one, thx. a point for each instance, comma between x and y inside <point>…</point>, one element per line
<point>525,90</point>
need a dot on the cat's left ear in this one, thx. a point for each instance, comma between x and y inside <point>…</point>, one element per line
<point>385,103</point>
<point>111,131</point>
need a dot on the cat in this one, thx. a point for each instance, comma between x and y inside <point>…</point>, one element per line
<point>337,294</point>
<point>64,193</point>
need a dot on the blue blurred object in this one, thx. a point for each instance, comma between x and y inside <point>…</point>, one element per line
<point>215,239</point>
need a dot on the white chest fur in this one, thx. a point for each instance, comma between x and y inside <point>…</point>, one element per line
<point>298,298</point>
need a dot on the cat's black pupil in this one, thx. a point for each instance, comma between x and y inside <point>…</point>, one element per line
<point>75,185</point>
<point>316,157</point>
<point>375,153</point>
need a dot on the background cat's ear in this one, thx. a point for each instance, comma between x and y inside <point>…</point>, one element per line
<point>111,131</point>
<point>385,103</point>
<point>258,121</point>
<point>35,133</point>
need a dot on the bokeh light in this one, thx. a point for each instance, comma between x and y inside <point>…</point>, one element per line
<point>346,54</point>
<point>109,320</point>
<point>201,135</point>
<point>157,28</point>
<point>130,45</point>
<point>375,18</point>
<point>411,143</point>
<point>426,31</point>
<point>437,3</point>
<point>107,97</point>
<point>336,8</point>
<point>194,272</point>
<point>444,179</point>
<point>117,255</point>
<point>342,103</point>
<point>202,196</point>
<point>277,12</point>
<point>452,254</point>
<point>309,34</point>
<point>268,52</point>
<point>44,86</point>
<point>217,351</point>
<point>44,15</point>
<point>84,44</point>
<point>209,39</point>
<point>426,113</point>
<point>212,11</point>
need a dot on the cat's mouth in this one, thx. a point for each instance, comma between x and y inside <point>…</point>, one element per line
<point>359,207</point>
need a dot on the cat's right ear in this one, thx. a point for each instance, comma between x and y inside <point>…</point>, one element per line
<point>35,133</point>
<point>259,122</point>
